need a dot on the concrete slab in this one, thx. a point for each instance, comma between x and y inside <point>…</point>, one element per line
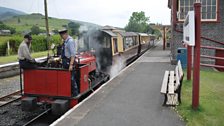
<point>131,99</point>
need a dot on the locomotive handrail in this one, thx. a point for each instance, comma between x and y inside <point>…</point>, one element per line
<point>50,68</point>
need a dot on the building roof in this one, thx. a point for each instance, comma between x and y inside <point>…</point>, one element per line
<point>5,31</point>
<point>109,33</point>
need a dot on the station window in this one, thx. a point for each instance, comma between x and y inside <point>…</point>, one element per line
<point>208,12</point>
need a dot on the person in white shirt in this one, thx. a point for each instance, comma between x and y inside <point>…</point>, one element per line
<point>24,55</point>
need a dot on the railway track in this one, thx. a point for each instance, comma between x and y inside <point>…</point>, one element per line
<point>10,98</point>
<point>32,121</point>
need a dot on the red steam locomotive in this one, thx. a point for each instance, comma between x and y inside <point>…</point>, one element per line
<point>53,85</point>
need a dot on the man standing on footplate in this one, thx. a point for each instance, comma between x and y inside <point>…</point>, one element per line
<point>68,57</point>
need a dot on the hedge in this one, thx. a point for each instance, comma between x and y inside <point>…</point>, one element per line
<point>39,43</point>
<point>3,44</point>
<point>3,47</point>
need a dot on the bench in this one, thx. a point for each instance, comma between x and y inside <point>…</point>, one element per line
<point>171,86</point>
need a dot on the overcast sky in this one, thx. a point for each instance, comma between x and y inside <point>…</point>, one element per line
<point>102,12</point>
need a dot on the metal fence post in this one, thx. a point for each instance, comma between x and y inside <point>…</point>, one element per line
<point>189,62</point>
<point>164,38</point>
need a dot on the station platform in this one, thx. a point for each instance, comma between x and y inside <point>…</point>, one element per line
<point>130,99</point>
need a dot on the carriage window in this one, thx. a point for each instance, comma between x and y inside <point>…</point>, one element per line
<point>134,40</point>
<point>128,42</point>
<point>115,46</point>
<point>106,42</point>
<point>208,11</point>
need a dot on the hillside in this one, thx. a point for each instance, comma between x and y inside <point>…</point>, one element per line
<point>23,21</point>
<point>6,13</point>
<point>27,21</point>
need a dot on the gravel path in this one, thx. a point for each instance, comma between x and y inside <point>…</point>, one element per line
<point>9,85</point>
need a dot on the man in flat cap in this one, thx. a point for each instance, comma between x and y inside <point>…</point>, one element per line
<point>68,50</point>
<point>24,55</point>
<point>68,57</point>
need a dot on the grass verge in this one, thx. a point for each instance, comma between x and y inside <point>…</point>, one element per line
<point>211,111</point>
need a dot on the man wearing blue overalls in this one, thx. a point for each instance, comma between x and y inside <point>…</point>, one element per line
<point>68,57</point>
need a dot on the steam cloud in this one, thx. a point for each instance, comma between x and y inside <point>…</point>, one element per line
<point>118,65</point>
<point>90,38</point>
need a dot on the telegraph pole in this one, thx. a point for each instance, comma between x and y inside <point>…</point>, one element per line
<point>47,26</point>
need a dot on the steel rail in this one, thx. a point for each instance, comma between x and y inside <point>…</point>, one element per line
<point>37,117</point>
<point>10,98</point>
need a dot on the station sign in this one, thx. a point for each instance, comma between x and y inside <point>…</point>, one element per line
<point>189,29</point>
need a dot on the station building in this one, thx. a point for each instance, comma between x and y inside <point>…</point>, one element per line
<point>212,27</point>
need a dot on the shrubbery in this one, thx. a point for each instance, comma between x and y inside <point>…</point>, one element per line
<point>39,43</point>
<point>3,47</point>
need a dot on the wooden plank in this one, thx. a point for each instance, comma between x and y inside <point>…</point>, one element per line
<point>171,83</point>
<point>180,69</point>
<point>165,82</point>
<point>177,78</point>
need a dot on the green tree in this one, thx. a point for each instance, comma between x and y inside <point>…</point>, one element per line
<point>138,22</point>
<point>149,30</point>
<point>6,27</point>
<point>35,30</point>
<point>73,28</point>
<point>157,33</point>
